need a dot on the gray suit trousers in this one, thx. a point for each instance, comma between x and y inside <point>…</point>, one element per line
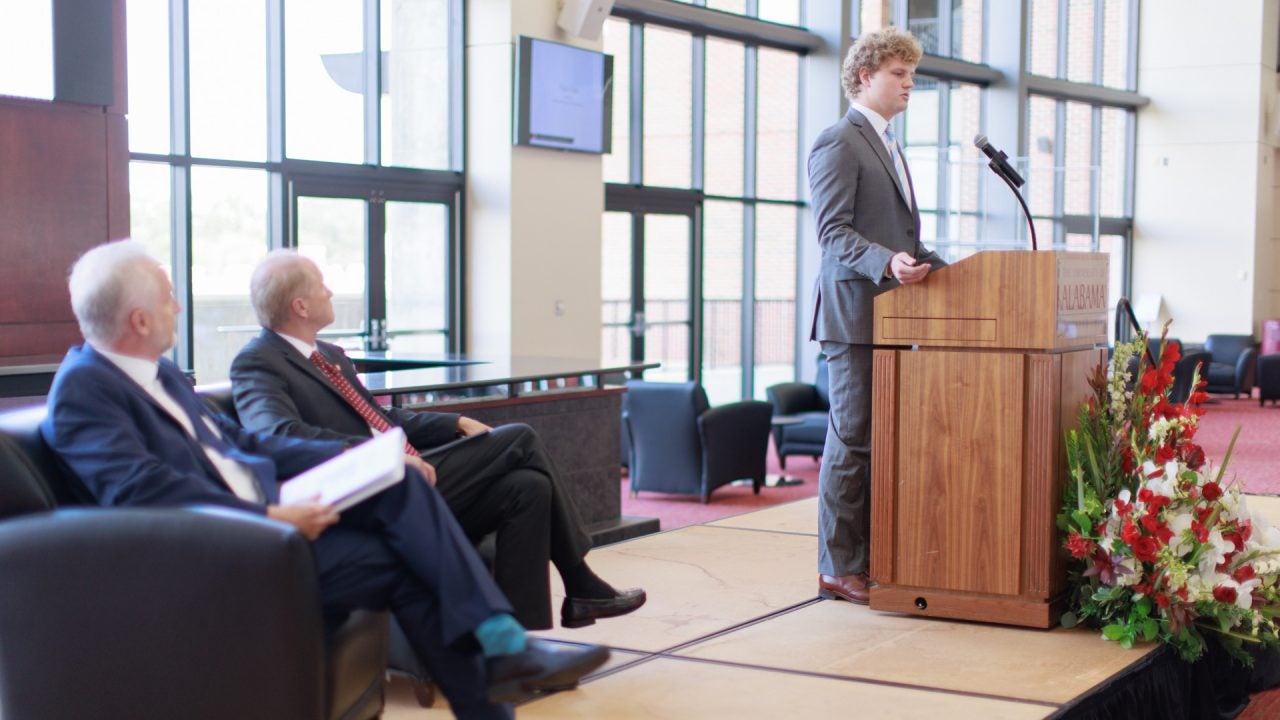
<point>844,483</point>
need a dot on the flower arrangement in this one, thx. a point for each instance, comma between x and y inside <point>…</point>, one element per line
<point>1161,547</point>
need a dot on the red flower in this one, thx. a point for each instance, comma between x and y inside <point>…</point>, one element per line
<point>1129,532</point>
<point>1170,356</point>
<point>1162,601</point>
<point>1145,549</point>
<point>1150,379</point>
<point>1225,595</point>
<point>1243,573</point>
<point>1211,491</point>
<point>1198,397</point>
<point>1192,455</point>
<point>1080,546</point>
<point>1164,454</point>
<point>1198,529</point>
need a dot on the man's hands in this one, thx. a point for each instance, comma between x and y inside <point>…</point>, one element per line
<point>905,268</point>
<point>427,469</point>
<point>469,427</point>
<point>310,519</point>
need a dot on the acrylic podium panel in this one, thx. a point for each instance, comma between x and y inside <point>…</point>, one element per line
<point>978,372</point>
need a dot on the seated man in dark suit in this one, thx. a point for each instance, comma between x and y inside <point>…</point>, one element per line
<point>287,382</point>
<point>128,424</point>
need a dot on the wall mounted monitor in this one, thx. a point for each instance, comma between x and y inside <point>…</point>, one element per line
<point>564,97</point>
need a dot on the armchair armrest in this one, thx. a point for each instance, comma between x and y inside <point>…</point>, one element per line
<point>735,440</point>
<point>1246,367</point>
<point>793,398</point>
<point>158,613</point>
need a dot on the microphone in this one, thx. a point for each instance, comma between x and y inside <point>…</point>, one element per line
<point>999,161</point>
<point>1003,170</point>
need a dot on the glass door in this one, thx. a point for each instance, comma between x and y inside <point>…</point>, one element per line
<point>649,288</point>
<point>385,255</point>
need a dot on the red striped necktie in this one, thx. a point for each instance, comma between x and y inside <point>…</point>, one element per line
<point>366,411</point>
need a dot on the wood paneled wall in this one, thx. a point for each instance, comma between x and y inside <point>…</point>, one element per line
<point>64,187</point>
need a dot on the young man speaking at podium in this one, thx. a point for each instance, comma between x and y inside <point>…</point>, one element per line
<point>868,227</point>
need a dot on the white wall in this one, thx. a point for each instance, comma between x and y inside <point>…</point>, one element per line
<point>533,216</point>
<point>1205,177</point>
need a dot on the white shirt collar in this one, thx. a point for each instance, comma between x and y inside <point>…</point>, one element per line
<point>877,121</point>
<point>140,370</point>
<point>301,346</point>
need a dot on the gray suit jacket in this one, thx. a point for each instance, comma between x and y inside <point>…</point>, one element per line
<point>862,221</point>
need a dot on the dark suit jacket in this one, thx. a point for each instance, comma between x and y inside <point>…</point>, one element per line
<point>127,450</point>
<point>862,220</point>
<point>280,392</point>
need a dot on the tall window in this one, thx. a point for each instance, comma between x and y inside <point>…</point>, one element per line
<point>1075,144</point>
<point>328,127</point>
<point>26,49</point>
<point>706,197</point>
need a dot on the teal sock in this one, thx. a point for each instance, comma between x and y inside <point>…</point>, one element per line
<point>501,635</point>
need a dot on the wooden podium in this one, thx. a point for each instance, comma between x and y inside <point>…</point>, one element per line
<point>978,372</point>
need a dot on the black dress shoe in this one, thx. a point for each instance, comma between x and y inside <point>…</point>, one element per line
<point>580,612</point>
<point>542,666</point>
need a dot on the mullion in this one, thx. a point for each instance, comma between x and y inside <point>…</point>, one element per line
<point>638,315</point>
<point>376,272</point>
<point>372,95</point>
<point>750,165</point>
<point>180,180</point>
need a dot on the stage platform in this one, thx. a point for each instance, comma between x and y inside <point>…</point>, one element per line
<point>733,629</point>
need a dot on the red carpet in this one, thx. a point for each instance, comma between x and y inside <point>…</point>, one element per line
<point>1253,462</point>
<point>676,511</point>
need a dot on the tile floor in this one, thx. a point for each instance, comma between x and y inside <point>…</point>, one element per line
<point>733,629</point>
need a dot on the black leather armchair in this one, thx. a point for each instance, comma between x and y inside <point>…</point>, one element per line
<point>680,444</point>
<point>149,613</point>
<point>1235,359</point>
<point>807,402</point>
<point>1268,379</point>
<point>1184,372</point>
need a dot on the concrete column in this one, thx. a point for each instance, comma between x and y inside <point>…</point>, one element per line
<point>533,215</point>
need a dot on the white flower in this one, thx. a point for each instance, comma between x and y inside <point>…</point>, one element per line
<point>1212,553</point>
<point>1180,543</point>
<point>1165,485</point>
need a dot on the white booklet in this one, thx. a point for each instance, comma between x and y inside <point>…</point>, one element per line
<point>361,472</point>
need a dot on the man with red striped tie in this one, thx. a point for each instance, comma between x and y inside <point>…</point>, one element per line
<point>288,382</point>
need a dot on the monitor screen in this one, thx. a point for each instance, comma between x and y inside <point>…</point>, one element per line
<point>564,97</point>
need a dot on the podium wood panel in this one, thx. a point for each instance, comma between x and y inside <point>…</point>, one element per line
<point>959,437</point>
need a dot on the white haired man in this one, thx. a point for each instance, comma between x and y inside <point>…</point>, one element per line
<point>128,424</point>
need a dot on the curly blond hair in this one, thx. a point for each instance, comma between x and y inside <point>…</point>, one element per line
<point>871,50</point>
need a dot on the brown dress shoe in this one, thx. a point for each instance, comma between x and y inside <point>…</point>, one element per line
<point>855,588</point>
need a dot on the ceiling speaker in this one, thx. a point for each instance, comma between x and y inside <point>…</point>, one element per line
<point>584,18</point>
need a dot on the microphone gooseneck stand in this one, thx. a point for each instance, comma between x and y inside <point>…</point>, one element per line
<point>1000,166</point>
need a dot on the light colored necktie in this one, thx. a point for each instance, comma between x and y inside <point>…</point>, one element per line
<point>897,162</point>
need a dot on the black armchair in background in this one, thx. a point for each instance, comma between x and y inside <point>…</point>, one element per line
<point>1268,379</point>
<point>811,405</point>
<point>680,444</point>
<point>158,613</point>
<point>1235,359</point>
<point>1184,372</point>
